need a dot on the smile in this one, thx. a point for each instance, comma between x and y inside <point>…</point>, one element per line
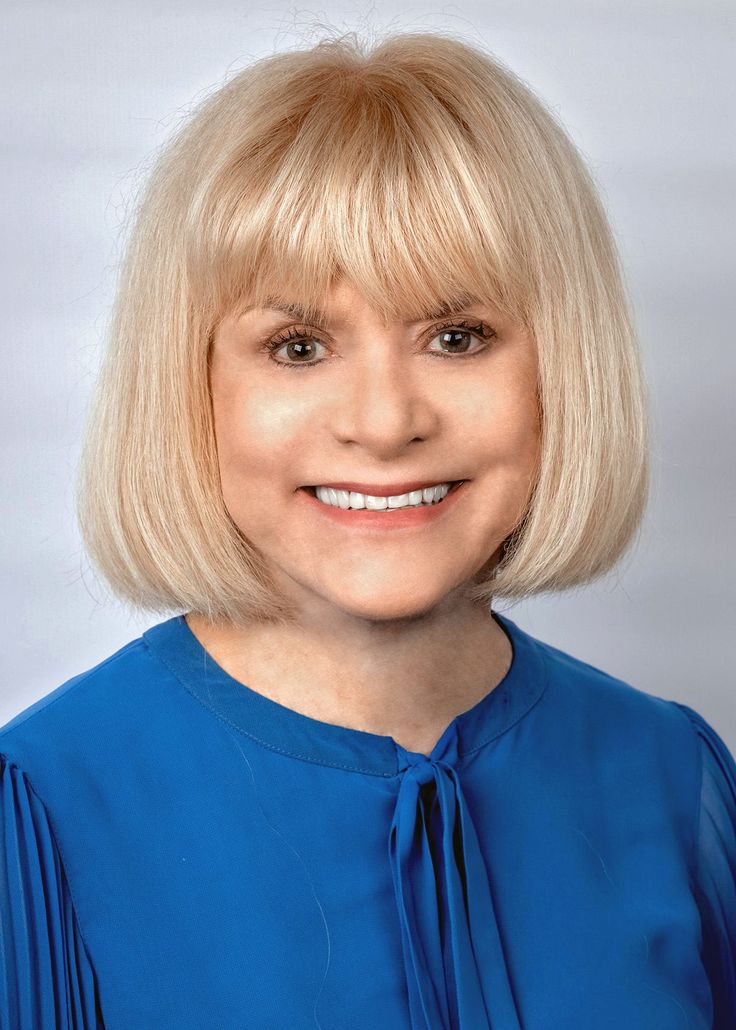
<point>356,501</point>
<point>404,511</point>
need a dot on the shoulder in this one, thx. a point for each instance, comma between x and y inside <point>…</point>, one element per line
<point>607,728</point>
<point>587,696</point>
<point>598,720</point>
<point>69,694</point>
<point>87,715</point>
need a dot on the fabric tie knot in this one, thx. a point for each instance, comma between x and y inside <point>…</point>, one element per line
<point>428,771</point>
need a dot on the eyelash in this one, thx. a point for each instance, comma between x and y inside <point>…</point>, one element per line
<point>479,329</point>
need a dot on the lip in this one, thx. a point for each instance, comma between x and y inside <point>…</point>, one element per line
<point>383,490</point>
<point>383,521</point>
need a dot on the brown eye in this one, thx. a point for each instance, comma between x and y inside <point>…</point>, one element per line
<point>298,345</point>
<point>455,336</point>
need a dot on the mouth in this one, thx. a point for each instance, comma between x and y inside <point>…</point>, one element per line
<point>454,484</point>
<point>377,521</point>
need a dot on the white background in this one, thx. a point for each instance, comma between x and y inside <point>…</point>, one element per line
<point>91,90</point>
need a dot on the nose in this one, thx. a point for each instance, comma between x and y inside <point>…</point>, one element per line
<point>386,403</point>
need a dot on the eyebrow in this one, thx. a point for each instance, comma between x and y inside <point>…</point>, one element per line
<point>298,311</point>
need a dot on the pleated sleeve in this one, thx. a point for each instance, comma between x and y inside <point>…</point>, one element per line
<point>715,868</point>
<point>46,978</point>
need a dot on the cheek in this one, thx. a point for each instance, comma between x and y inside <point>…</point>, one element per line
<point>518,433</point>
<point>504,417</point>
<point>518,443</point>
<point>255,428</point>
<point>506,440</point>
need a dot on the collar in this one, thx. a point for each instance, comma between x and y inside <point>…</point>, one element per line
<point>282,729</point>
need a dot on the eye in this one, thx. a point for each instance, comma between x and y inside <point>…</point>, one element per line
<point>299,342</point>
<point>451,335</point>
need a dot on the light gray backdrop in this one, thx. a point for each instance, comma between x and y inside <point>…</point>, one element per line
<point>646,89</point>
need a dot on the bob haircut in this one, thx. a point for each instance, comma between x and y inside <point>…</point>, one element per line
<point>422,170</point>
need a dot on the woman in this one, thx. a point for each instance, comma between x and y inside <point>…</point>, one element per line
<point>371,369</point>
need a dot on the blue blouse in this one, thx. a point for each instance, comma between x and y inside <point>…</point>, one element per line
<point>179,851</point>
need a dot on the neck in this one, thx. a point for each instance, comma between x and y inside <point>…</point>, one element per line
<point>406,681</point>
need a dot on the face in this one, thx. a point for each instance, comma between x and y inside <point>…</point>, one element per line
<point>352,400</point>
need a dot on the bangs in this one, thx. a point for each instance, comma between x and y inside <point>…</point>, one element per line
<point>348,189</point>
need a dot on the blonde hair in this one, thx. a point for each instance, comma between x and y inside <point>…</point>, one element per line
<point>420,169</point>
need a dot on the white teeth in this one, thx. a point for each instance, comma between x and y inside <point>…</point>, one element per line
<point>352,499</point>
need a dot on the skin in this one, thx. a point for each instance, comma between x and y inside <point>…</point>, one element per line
<point>384,641</point>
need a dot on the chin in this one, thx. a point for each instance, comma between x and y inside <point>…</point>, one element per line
<point>389,605</point>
